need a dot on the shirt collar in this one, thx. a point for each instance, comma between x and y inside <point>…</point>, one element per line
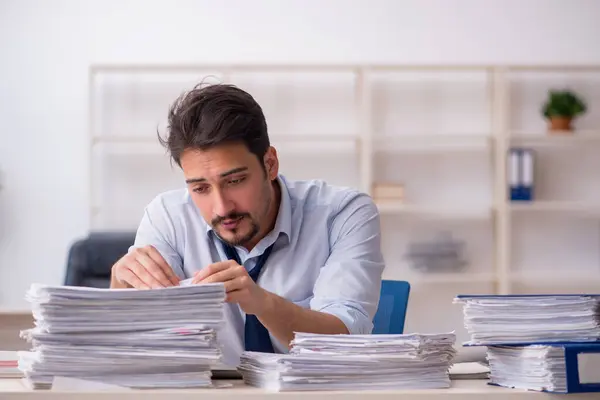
<point>283,223</point>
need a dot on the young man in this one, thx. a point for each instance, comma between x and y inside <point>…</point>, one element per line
<point>317,247</point>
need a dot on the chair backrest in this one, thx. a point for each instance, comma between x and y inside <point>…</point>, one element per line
<point>393,303</point>
<point>90,259</point>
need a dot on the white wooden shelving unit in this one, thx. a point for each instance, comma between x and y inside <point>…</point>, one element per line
<point>441,131</point>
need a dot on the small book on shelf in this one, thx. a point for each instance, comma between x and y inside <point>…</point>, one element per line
<point>388,191</point>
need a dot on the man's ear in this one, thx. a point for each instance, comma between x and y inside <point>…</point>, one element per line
<point>271,163</point>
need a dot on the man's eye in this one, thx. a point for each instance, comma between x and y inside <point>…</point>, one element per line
<point>201,189</point>
<point>236,181</point>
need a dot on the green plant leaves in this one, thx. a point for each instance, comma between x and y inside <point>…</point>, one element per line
<point>563,103</point>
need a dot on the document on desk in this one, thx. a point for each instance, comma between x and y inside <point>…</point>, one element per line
<point>9,365</point>
<point>321,362</point>
<point>134,338</point>
<point>555,367</point>
<point>531,318</point>
<point>469,370</point>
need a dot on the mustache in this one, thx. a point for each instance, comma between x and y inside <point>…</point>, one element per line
<point>233,215</point>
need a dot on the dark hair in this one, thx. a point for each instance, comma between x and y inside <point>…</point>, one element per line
<point>210,115</point>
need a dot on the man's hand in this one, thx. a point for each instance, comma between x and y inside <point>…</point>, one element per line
<point>239,286</point>
<point>281,317</point>
<point>143,268</point>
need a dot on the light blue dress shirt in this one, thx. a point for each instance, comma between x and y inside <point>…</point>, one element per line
<point>327,253</point>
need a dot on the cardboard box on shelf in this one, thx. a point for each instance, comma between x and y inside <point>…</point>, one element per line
<point>388,191</point>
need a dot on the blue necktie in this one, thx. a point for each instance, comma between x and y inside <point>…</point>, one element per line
<point>256,335</point>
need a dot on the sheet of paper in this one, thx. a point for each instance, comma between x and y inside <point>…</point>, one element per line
<point>469,370</point>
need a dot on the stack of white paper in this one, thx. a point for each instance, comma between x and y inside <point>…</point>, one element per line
<point>319,362</point>
<point>531,319</point>
<point>134,338</point>
<point>534,367</point>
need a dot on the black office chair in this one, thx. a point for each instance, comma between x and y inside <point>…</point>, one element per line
<point>90,259</point>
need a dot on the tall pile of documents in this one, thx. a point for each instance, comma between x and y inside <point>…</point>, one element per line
<point>518,319</point>
<point>536,342</point>
<point>321,362</point>
<point>534,367</point>
<point>132,338</point>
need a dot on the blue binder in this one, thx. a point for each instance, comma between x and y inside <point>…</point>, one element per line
<point>582,359</point>
<point>527,175</point>
<point>575,368</point>
<point>591,341</point>
<point>514,174</point>
<point>583,375</point>
<point>499,296</point>
<point>521,174</point>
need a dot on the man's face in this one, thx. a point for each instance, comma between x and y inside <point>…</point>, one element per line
<point>229,186</point>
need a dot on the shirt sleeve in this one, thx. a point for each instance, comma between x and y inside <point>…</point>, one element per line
<point>157,229</point>
<point>349,283</point>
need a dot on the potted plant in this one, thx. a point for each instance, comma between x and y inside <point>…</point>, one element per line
<point>561,107</point>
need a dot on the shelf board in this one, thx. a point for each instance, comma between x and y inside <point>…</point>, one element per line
<point>312,137</point>
<point>125,139</point>
<point>316,145</point>
<point>448,277</point>
<point>577,137</point>
<point>312,144</point>
<point>309,67</point>
<point>291,138</point>
<point>419,143</point>
<point>555,277</point>
<point>14,312</point>
<point>573,207</point>
<point>119,147</point>
<point>431,211</point>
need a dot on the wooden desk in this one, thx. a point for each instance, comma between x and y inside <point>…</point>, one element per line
<point>13,389</point>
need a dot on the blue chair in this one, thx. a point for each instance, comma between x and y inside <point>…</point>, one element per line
<point>391,312</point>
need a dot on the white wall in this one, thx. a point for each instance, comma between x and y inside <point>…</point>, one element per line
<point>47,47</point>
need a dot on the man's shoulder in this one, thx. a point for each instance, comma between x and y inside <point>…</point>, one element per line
<point>170,204</point>
<point>319,195</point>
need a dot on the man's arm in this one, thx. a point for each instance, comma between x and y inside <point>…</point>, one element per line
<point>282,318</point>
<point>152,261</point>
<point>346,293</point>
<point>349,283</point>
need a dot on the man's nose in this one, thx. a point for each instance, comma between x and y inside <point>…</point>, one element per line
<point>222,205</point>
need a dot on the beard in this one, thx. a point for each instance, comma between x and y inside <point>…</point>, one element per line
<point>239,237</point>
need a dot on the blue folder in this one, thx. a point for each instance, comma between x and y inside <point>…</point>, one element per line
<point>527,175</point>
<point>591,341</point>
<point>514,174</point>
<point>521,174</point>
<point>499,296</point>
<point>582,375</point>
